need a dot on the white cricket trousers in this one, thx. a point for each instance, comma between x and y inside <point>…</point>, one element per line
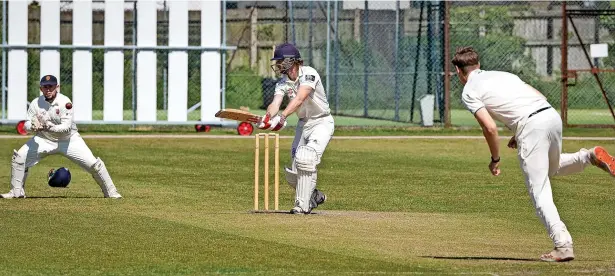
<point>74,148</point>
<point>539,150</point>
<point>315,133</point>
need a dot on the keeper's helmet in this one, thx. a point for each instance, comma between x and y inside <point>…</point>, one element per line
<point>59,178</point>
<point>285,56</point>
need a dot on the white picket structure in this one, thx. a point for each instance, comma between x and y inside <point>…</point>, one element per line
<point>17,61</point>
<point>113,105</point>
<point>82,60</point>
<point>146,81</point>
<point>178,61</point>
<point>50,35</point>
<point>210,37</point>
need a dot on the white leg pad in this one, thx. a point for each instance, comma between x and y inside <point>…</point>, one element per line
<point>305,188</point>
<point>101,175</point>
<point>306,159</point>
<point>291,178</point>
<point>19,173</point>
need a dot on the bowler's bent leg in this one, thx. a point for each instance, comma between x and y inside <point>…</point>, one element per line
<point>571,163</point>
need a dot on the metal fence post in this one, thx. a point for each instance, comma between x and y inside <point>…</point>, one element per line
<point>4,60</point>
<point>336,58</point>
<point>285,21</point>
<point>328,48</point>
<point>365,57</point>
<point>311,34</point>
<point>564,67</point>
<point>447,68</point>
<point>396,117</point>
<point>292,21</point>
<point>417,58</point>
<point>439,63</point>
<point>429,52</point>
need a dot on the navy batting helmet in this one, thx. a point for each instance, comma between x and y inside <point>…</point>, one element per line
<point>285,55</point>
<point>286,50</point>
<point>59,178</point>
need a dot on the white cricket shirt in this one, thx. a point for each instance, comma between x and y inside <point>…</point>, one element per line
<point>505,96</point>
<point>57,115</point>
<point>316,104</point>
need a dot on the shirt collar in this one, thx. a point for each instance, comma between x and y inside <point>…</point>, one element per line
<point>476,71</point>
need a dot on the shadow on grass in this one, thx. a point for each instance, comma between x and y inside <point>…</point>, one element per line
<point>481,258</point>
<point>51,197</point>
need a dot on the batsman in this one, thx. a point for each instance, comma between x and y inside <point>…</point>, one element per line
<point>50,117</point>
<point>308,99</point>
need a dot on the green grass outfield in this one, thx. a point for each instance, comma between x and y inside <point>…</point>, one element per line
<point>463,124</point>
<point>459,117</point>
<point>399,206</point>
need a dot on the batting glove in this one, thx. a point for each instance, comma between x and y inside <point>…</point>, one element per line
<point>263,123</point>
<point>277,123</point>
<point>37,124</point>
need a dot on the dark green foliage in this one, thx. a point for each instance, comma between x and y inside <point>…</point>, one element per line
<point>244,88</point>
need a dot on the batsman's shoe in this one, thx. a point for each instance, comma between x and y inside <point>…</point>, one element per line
<point>602,159</point>
<point>558,255</point>
<point>12,195</point>
<point>298,211</point>
<point>318,198</point>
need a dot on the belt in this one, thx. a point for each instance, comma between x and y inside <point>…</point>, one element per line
<point>317,117</point>
<point>538,111</point>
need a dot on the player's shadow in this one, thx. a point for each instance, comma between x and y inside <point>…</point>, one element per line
<point>278,212</point>
<point>480,258</point>
<point>51,197</point>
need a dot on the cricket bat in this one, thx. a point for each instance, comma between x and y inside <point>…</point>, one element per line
<point>238,115</point>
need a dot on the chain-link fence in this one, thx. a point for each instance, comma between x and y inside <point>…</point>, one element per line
<point>518,37</point>
<point>591,75</point>
<point>526,38</point>
<point>377,59</point>
<point>376,62</point>
<point>382,67</point>
<point>386,55</point>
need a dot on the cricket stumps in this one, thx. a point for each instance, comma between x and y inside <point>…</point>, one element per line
<point>276,168</point>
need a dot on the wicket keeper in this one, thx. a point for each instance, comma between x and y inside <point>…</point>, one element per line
<point>537,129</point>
<point>50,117</point>
<point>306,92</point>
